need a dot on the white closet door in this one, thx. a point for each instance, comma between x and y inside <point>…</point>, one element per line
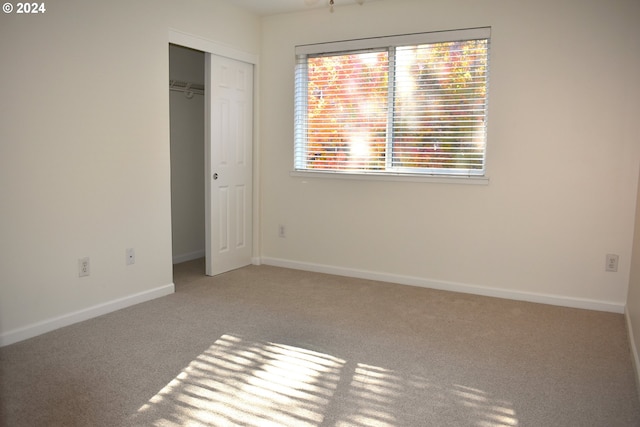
<point>229,134</point>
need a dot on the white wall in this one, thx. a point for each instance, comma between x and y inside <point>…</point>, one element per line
<point>633,298</point>
<point>562,158</point>
<point>84,152</point>
<point>187,156</point>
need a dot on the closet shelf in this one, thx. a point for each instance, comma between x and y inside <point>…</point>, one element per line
<point>188,88</point>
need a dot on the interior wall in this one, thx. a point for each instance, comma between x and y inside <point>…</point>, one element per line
<point>562,157</point>
<point>633,298</point>
<point>187,156</point>
<point>84,152</point>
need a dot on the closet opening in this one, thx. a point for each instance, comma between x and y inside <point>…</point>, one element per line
<point>187,142</point>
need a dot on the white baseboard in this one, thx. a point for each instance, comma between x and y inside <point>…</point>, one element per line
<point>177,259</point>
<point>634,349</point>
<point>450,286</point>
<point>49,325</point>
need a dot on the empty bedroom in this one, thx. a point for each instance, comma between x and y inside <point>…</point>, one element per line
<point>401,213</point>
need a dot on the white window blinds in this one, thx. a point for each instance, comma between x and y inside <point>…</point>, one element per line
<point>413,104</point>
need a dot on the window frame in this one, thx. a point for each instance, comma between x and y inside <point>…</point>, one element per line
<point>376,44</point>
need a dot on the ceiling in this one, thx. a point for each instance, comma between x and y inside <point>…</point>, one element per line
<point>273,7</point>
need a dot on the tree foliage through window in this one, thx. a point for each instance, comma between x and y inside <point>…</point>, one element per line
<point>405,109</point>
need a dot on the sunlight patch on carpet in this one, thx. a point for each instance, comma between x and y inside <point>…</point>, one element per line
<point>237,382</point>
<point>489,411</point>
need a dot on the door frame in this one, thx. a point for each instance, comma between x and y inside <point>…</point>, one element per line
<point>208,46</point>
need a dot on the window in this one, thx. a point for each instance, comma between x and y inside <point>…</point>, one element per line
<point>401,105</point>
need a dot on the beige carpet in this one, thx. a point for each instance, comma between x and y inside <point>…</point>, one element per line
<point>266,346</point>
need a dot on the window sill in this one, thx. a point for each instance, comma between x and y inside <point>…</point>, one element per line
<point>435,179</point>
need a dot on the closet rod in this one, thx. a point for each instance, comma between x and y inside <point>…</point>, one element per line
<point>188,88</point>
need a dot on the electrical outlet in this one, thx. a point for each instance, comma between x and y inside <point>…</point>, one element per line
<point>84,267</point>
<point>612,263</point>
<point>131,256</point>
<point>281,232</point>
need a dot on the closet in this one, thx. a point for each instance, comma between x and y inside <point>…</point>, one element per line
<point>186,101</point>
